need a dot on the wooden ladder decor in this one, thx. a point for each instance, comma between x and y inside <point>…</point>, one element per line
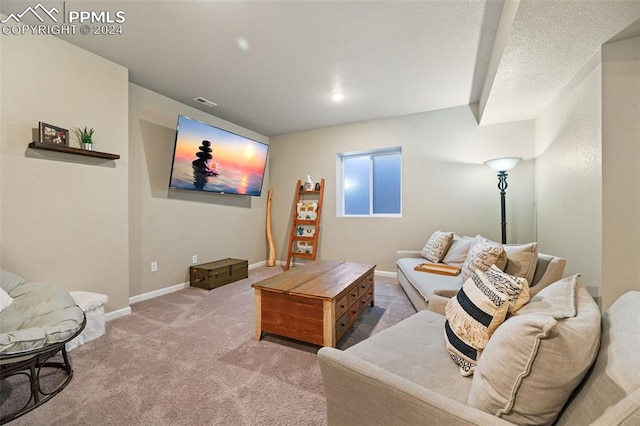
<point>305,223</point>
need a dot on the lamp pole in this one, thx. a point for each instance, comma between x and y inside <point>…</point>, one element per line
<point>502,186</point>
<point>502,166</point>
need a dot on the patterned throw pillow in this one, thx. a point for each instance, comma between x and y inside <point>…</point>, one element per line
<point>437,246</point>
<point>472,317</point>
<point>482,255</point>
<point>515,288</point>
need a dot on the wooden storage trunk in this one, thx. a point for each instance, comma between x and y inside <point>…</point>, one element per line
<point>215,274</point>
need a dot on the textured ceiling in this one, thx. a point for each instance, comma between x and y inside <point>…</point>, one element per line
<point>390,58</point>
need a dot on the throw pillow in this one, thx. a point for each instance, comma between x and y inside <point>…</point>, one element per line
<point>535,360</point>
<point>482,255</point>
<point>437,246</point>
<point>458,251</point>
<point>516,289</point>
<point>5,299</point>
<point>471,318</point>
<point>522,260</point>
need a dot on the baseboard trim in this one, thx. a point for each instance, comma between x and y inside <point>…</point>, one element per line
<point>155,293</point>
<point>177,287</point>
<point>117,314</point>
<point>386,274</point>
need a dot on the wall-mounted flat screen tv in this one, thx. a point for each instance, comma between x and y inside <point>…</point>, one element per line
<point>207,158</point>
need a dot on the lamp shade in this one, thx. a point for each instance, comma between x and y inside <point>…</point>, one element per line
<point>503,164</point>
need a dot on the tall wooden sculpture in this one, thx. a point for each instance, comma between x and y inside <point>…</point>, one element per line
<point>271,261</point>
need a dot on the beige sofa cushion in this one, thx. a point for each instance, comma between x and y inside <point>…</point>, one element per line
<point>482,255</point>
<point>536,358</point>
<point>413,349</point>
<point>521,260</point>
<point>458,251</point>
<point>611,393</point>
<point>472,317</point>
<point>437,246</point>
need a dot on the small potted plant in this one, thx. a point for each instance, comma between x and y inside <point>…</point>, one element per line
<point>85,137</point>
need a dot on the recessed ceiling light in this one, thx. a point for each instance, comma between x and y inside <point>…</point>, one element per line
<point>242,43</point>
<point>337,97</point>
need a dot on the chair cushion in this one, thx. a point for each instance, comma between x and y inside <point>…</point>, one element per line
<point>522,260</point>
<point>472,317</point>
<point>40,314</point>
<point>437,246</point>
<point>536,358</point>
<point>9,281</point>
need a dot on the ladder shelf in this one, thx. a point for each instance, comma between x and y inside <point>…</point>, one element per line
<point>305,224</point>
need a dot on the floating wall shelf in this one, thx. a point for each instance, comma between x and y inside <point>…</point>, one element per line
<point>75,151</point>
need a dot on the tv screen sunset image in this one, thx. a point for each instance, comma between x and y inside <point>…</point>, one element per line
<point>207,158</point>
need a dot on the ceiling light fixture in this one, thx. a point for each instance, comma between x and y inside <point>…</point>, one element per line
<point>337,97</point>
<point>242,43</point>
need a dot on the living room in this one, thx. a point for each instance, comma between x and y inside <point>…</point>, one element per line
<point>97,226</point>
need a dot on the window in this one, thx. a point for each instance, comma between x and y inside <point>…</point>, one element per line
<point>370,183</point>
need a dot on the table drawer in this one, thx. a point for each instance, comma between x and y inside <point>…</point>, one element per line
<point>365,285</point>
<point>342,305</point>
<point>342,325</point>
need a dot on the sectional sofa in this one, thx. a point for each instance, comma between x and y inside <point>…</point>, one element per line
<point>556,361</point>
<point>424,288</point>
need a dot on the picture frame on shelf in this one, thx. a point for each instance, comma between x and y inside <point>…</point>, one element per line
<point>53,135</point>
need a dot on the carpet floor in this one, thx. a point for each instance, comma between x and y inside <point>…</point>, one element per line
<point>190,358</point>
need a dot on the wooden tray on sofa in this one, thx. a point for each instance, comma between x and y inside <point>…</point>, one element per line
<point>437,268</point>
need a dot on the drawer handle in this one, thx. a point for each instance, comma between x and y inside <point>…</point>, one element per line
<point>341,306</point>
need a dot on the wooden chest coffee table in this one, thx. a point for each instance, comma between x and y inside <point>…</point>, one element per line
<point>314,303</point>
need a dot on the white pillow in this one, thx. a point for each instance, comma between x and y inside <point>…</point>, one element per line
<point>5,299</point>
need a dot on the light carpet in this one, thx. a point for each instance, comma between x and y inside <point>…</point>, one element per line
<point>191,358</point>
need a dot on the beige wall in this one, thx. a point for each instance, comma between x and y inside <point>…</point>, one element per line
<point>64,217</point>
<point>620,168</point>
<point>445,184</point>
<point>569,176</point>
<point>169,226</point>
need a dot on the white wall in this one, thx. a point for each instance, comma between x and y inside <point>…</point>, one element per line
<point>568,174</point>
<point>169,226</point>
<point>64,218</point>
<point>445,184</point>
<point>620,168</point>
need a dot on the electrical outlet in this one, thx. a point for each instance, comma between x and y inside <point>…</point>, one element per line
<point>154,266</point>
<point>194,258</point>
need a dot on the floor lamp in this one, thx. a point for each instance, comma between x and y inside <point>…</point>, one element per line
<point>502,166</point>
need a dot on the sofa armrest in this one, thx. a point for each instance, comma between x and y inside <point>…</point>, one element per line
<point>408,253</point>
<point>439,299</point>
<point>360,393</point>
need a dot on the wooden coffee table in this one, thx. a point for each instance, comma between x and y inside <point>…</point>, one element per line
<point>314,303</point>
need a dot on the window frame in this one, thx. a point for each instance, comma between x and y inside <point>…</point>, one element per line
<point>340,203</point>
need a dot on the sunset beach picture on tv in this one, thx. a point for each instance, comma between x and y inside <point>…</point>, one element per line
<point>207,158</point>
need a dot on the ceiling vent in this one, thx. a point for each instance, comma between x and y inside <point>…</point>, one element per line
<point>206,102</point>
